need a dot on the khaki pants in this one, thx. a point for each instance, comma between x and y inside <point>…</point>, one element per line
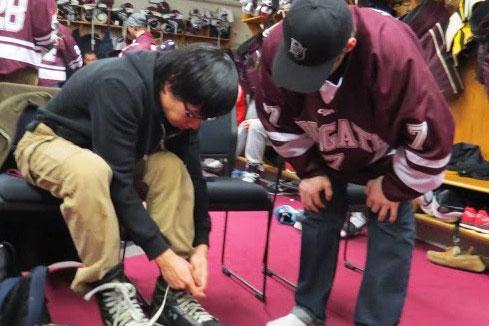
<point>82,179</point>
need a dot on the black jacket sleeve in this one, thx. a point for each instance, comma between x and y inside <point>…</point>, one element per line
<point>186,146</point>
<point>115,120</point>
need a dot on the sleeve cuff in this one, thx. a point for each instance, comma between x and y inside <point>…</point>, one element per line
<point>395,190</point>
<point>155,246</point>
<point>201,238</point>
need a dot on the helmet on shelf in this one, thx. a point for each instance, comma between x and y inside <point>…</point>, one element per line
<point>128,7</point>
<point>167,45</point>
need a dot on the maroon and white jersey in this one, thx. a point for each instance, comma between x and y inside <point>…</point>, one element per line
<point>26,26</point>
<point>385,116</point>
<point>64,55</point>
<point>144,42</point>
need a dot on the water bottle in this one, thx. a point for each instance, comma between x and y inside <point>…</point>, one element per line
<point>288,215</point>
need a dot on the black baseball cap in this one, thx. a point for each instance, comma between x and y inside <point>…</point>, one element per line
<point>314,34</point>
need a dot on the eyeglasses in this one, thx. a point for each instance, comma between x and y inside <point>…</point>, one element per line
<point>193,114</point>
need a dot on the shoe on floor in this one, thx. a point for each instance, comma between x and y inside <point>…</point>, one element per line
<point>212,165</point>
<point>454,258</point>
<point>117,300</point>
<point>298,317</point>
<point>253,172</point>
<point>181,308</point>
<point>288,320</point>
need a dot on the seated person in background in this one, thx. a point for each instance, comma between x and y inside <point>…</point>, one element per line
<point>142,38</point>
<point>122,130</point>
<point>252,140</point>
<point>64,57</point>
<point>89,57</point>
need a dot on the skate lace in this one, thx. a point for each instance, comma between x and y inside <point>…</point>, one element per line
<point>120,300</point>
<point>192,307</point>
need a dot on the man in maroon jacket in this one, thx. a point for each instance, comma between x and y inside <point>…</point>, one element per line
<point>347,97</point>
<point>65,57</point>
<point>142,39</point>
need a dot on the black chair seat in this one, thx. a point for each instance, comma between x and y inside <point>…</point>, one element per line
<point>356,195</point>
<point>226,194</point>
<point>16,194</point>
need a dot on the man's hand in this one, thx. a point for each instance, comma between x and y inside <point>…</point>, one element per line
<point>199,266</point>
<point>246,123</point>
<point>311,189</point>
<point>177,272</point>
<point>378,203</point>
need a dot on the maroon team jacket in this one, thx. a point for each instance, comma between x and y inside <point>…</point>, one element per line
<point>26,27</point>
<point>386,116</point>
<point>145,42</point>
<point>64,55</point>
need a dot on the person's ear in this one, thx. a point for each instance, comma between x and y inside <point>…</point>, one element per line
<point>350,44</point>
<point>167,88</point>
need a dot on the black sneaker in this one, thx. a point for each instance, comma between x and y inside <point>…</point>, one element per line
<point>181,308</point>
<point>118,300</point>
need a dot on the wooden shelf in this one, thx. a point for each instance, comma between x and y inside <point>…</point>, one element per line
<point>447,227</point>
<point>81,22</point>
<point>253,19</point>
<point>289,175</point>
<point>453,179</point>
<point>204,37</point>
<point>156,33</point>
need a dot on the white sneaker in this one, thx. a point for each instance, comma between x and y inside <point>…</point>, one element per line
<point>288,320</point>
<point>298,226</point>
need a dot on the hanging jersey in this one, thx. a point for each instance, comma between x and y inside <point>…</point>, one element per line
<point>429,20</point>
<point>387,102</point>
<point>26,26</point>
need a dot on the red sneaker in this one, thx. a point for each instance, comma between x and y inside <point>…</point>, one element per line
<point>481,222</point>
<point>468,218</point>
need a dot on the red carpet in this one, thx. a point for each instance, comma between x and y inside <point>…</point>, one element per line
<point>437,295</point>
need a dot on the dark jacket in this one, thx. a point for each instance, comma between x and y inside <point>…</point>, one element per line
<point>112,107</point>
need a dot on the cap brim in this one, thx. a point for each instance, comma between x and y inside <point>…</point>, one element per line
<point>298,78</point>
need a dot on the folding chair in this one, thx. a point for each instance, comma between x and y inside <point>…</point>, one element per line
<point>218,140</point>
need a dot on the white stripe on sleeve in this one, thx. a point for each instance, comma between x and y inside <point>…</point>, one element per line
<point>421,161</point>
<point>416,180</point>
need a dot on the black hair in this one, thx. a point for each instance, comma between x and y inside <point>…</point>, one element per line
<point>200,74</point>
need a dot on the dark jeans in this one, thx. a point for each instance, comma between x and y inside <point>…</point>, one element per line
<point>385,280</point>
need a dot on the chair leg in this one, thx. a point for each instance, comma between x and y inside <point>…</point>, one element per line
<point>123,251</point>
<point>267,271</point>
<point>223,249</point>
<point>259,294</point>
<point>266,252</point>
<point>346,263</point>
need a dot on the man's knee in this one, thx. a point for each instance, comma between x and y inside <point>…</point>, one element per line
<point>89,170</point>
<point>165,163</point>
